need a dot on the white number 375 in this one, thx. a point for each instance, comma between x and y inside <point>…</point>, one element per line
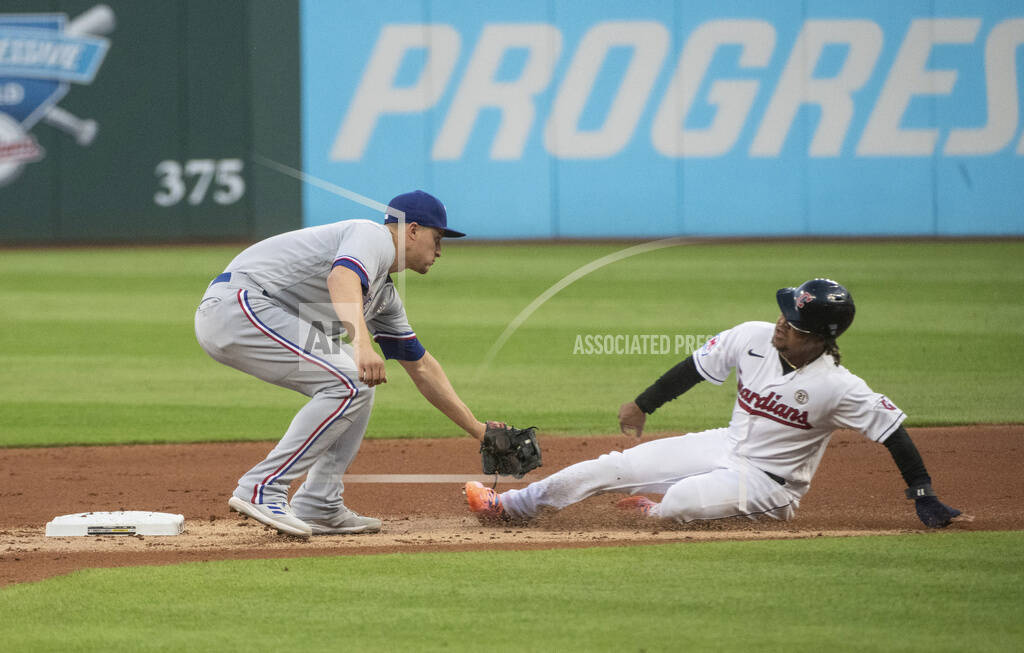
<point>225,175</point>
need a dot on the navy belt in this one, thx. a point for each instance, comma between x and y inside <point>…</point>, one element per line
<point>243,279</point>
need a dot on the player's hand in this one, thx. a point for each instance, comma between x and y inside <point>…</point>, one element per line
<point>632,419</point>
<point>371,366</point>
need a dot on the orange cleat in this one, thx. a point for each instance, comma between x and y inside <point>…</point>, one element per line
<point>642,505</point>
<point>484,501</point>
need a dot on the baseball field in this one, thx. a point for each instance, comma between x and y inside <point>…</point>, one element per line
<point>108,403</point>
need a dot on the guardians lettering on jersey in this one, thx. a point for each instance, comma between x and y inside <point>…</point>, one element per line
<point>769,406</point>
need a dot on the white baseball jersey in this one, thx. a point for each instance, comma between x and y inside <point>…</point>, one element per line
<point>292,268</point>
<point>782,423</point>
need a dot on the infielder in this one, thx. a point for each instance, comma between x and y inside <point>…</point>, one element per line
<point>792,393</point>
<point>266,315</point>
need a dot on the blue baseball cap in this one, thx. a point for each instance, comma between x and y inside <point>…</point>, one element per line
<point>424,209</point>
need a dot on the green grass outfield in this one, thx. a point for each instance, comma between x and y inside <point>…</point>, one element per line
<point>932,592</point>
<point>96,345</point>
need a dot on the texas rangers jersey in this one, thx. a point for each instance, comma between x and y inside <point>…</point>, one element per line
<point>782,423</point>
<point>292,268</point>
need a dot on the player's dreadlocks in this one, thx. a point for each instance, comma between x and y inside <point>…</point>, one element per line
<point>832,349</point>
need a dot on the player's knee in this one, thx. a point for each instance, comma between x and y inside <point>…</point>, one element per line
<point>587,477</point>
<point>611,471</point>
<point>341,390</point>
<point>613,465</point>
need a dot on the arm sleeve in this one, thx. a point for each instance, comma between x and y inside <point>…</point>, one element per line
<point>907,458</point>
<point>672,383</point>
<point>391,331</point>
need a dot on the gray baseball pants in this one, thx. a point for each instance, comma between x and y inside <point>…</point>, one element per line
<point>239,325</point>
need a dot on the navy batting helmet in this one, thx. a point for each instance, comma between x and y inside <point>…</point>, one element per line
<point>819,306</point>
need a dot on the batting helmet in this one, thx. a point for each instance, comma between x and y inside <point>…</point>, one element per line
<point>819,306</point>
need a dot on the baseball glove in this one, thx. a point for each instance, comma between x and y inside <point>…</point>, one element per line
<point>509,451</point>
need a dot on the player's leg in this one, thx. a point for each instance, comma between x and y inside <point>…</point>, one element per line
<point>650,467</point>
<point>256,335</point>
<point>319,500</point>
<point>329,417</point>
<point>735,491</point>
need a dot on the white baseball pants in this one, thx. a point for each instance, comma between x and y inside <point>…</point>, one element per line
<point>696,473</point>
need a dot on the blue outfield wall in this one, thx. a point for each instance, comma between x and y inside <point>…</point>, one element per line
<point>601,118</point>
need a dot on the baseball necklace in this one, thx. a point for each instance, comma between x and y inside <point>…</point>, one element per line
<point>789,362</point>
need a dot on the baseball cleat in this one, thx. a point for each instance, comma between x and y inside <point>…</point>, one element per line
<point>276,515</point>
<point>484,501</point>
<point>346,522</point>
<point>642,505</point>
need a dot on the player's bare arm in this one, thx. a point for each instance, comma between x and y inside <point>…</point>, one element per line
<point>433,384</point>
<point>632,419</point>
<point>347,298</point>
<point>671,384</point>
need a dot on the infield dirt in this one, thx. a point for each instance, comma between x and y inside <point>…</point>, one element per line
<point>857,491</point>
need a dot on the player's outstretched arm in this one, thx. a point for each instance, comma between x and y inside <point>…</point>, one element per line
<point>433,384</point>
<point>932,512</point>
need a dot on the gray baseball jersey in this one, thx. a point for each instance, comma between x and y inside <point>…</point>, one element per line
<point>292,268</point>
<point>257,317</point>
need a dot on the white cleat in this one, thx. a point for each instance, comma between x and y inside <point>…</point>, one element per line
<point>276,515</point>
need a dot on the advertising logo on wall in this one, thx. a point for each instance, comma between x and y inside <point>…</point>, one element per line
<point>41,56</point>
<point>696,117</point>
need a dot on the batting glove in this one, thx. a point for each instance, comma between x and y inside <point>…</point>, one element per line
<point>932,512</point>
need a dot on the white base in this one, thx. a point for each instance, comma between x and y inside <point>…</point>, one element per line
<point>122,522</point>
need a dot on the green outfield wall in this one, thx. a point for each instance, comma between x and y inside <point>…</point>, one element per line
<point>138,119</point>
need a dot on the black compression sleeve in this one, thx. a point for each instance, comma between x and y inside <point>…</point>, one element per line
<point>673,383</point>
<point>907,458</point>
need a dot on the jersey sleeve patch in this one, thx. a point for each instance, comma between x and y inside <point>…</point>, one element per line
<point>716,359</point>
<point>403,346</point>
<point>709,345</point>
<point>356,266</point>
